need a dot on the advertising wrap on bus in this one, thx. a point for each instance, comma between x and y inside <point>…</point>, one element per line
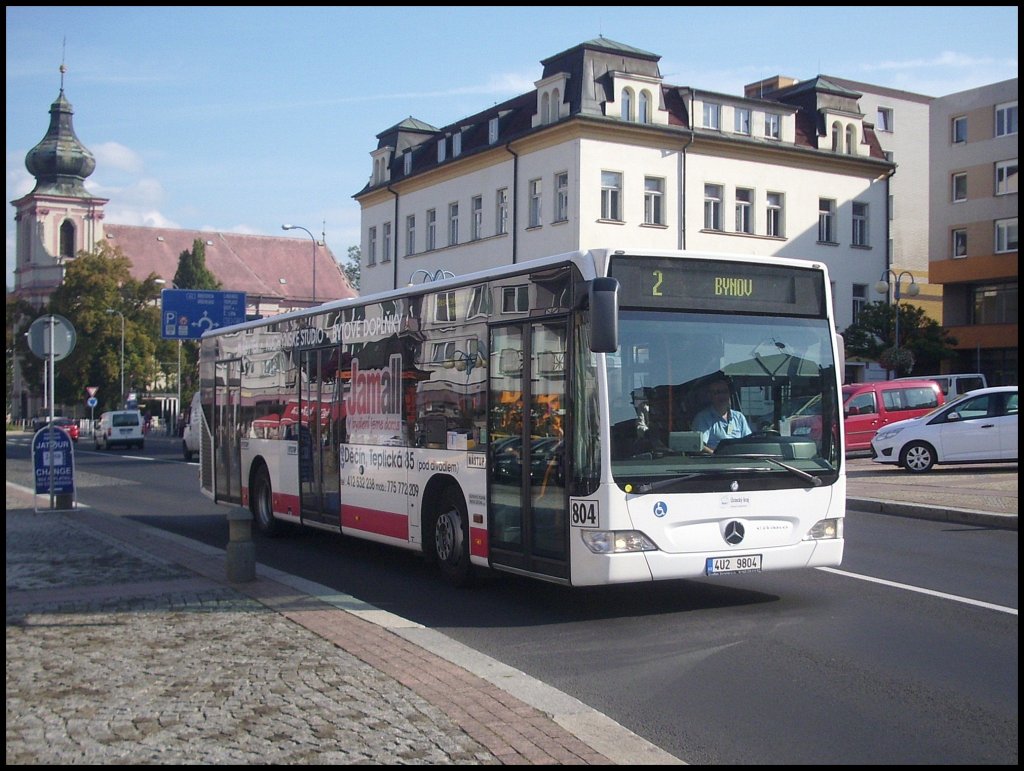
<point>589,418</point>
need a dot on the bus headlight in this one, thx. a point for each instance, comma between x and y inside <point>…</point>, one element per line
<point>825,530</point>
<point>617,541</point>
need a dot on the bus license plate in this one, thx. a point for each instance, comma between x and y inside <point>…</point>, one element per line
<point>742,563</point>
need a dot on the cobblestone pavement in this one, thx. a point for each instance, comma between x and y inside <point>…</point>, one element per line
<point>128,645</point>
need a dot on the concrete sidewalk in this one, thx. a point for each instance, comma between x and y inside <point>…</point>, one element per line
<point>126,644</point>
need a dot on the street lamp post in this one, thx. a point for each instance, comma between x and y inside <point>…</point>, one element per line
<point>890,277</point>
<point>111,310</point>
<point>299,227</point>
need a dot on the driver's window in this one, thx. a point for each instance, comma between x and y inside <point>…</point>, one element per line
<point>864,404</point>
<point>973,408</point>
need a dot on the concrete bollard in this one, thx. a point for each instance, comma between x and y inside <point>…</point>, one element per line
<point>241,553</point>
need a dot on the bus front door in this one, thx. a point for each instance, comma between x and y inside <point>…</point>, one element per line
<point>528,526</point>
<point>318,439</point>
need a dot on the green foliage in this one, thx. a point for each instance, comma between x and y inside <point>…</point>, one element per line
<point>351,266</point>
<point>192,272</point>
<point>923,342</point>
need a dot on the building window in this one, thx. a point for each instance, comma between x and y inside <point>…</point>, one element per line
<point>995,304</point>
<point>860,299</point>
<point>653,201</point>
<point>959,187</point>
<point>1006,235</point>
<point>535,203</point>
<point>431,229</point>
<point>453,223</point>
<point>407,163</point>
<point>371,246</point>
<point>440,150</point>
<point>744,210</point>
<point>837,137</point>
<point>773,215</point>
<point>444,307</point>
<point>851,140</point>
<point>859,236</point>
<point>772,125</point>
<point>476,206</point>
<point>643,114</point>
<point>385,246</point>
<point>741,123</point>
<point>67,239</point>
<point>561,196</point>
<point>556,101</point>
<point>492,131</point>
<point>888,155</point>
<point>457,145</point>
<point>826,220</point>
<point>959,243</point>
<point>410,234</point>
<point>611,191</point>
<point>515,299</point>
<point>959,134</point>
<point>501,211</point>
<point>627,104</point>
<point>884,120</point>
<point>479,302</point>
<point>1006,119</point>
<point>712,115</point>
<point>713,207</point>
<point>1006,177</point>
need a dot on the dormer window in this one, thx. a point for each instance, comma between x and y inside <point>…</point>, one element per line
<point>407,163</point>
<point>772,126</point>
<point>643,114</point>
<point>440,150</point>
<point>851,140</point>
<point>712,115</point>
<point>545,108</point>
<point>457,145</point>
<point>492,131</point>
<point>556,101</point>
<point>627,104</point>
<point>837,137</point>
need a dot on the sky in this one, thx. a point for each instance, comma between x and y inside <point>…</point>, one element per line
<point>240,120</point>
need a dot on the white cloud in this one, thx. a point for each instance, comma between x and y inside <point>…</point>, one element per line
<point>113,155</point>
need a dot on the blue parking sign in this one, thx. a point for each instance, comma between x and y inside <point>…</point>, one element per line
<point>187,313</point>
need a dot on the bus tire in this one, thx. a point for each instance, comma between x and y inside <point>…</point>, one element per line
<point>451,539</point>
<point>262,503</point>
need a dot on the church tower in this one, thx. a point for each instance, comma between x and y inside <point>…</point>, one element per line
<point>59,217</point>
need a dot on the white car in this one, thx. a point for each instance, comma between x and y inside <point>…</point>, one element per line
<point>978,427</point>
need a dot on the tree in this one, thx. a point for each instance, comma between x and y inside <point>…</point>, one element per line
<point>350,267</point>
<point>923,342</point>
<point>20,315</point>
<point>93,283</point>
<point>192,273</point>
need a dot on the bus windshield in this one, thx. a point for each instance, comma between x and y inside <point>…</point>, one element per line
<point>699,395</point>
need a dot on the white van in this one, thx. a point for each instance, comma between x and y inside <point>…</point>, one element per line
<point>193,429</point>
<point>119,428</point>
<point>953,386</point>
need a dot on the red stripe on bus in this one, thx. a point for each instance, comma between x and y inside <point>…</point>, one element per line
<point>375,521</point>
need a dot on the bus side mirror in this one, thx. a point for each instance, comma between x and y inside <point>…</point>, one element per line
<point>604,315</point>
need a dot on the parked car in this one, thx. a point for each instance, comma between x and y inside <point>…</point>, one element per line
<point>69,425</point>
<point>869,407</point>
<point>979,427</point>
<point>954,385</point>
<point>119,427</point>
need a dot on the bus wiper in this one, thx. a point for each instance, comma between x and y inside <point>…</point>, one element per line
<point>651,487</point>
<point>814,480</point>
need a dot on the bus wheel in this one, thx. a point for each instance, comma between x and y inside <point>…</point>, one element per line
<point>451,540</point>
<point>263,503</point>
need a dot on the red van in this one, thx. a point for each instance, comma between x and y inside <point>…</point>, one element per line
<point>868,407</point>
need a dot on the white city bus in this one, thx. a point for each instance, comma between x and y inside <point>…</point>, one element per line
<point>538,418</point>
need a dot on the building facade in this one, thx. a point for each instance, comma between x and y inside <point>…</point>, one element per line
<point>973,237</point>
<point>605,153</point>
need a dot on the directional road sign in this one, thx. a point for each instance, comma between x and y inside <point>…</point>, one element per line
<point>187,313</point>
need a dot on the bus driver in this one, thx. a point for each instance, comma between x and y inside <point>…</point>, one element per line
<point>719,421</point>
